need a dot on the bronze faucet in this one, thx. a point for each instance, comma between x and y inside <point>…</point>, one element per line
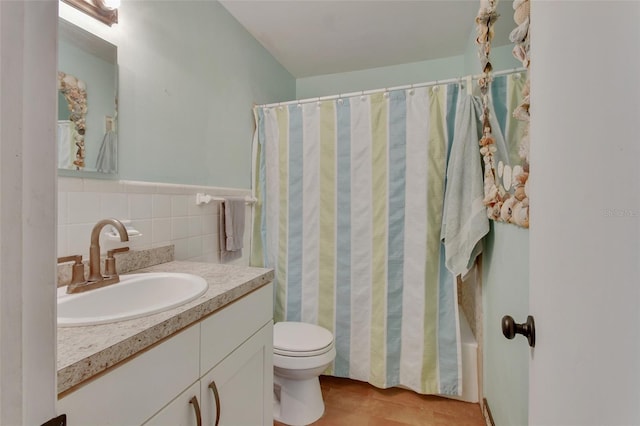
<point>96,280</point>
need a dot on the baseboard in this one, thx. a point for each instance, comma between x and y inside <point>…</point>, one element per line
<point>486,412</point>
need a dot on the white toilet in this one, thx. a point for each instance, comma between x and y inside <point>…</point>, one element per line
<point>301,352</point>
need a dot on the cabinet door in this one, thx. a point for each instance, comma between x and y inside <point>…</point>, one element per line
<point>131,393</point>
<point>180,412</point>
<point>244,384</point>
<point>229,327</point>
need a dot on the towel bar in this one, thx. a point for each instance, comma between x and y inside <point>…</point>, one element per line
<point>202,198</point>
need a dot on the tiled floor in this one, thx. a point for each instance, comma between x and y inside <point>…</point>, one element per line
<point>353,403</point>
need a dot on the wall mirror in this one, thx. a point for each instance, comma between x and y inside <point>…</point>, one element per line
<point>87,102</point>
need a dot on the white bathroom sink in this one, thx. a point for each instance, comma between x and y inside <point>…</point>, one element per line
<point>136,295</point>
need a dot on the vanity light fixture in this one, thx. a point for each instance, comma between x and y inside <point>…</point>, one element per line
<point>105,11</point>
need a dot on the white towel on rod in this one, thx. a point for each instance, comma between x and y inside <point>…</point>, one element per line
<point>66,154</point>
<point>231,228</point>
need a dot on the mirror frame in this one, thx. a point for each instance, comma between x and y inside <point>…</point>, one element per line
<point>106,16</point>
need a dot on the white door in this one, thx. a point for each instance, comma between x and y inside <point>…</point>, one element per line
<point>585,214</point>
<point>27,211</point>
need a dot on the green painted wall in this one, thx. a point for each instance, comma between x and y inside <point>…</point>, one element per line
<point>410,73</point>
<point>377,78</point>
<point>189,74</point>
<point>398,75</point>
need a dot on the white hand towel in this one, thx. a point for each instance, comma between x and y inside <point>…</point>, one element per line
<point>231,228</point>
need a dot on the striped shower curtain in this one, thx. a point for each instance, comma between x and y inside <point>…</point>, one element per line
<point>349,213</point>
<point>506,95</point>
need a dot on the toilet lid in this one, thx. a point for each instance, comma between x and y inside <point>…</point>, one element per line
<point>300,339</point>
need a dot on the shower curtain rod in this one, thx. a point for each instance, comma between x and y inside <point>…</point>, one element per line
<point>388,89</point>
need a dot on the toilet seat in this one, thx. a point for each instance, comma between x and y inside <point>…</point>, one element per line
<point>297,339</point>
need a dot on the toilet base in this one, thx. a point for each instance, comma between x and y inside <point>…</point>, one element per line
<point>297,402</point>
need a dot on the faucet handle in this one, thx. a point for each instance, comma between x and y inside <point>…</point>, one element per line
<point>73,258</point>
<point>77,276</point>
<point>117,250</point>
<point>110,261</point>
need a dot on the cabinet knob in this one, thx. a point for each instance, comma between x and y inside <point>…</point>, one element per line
<point>194,401</point>
<point>528,329</point>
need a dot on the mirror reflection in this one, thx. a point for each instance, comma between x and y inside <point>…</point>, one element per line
<point>87,101</point>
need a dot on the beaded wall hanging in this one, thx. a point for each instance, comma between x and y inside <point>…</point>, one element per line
<point>505,205</point>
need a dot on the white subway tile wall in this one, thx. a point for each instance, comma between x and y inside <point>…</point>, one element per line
<point>163,213</point>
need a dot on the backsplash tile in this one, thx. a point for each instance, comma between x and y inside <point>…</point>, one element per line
<point>209,243</point>
<point>210,224</point>
<point>62,208</point>
<point>182,249</point>
<point>161,206</point>
<point>125,262</point>
<point>179,205</point>
<point>161,230</point>
<point>144,240</point>
<point>78,239</point>
<point>179,227</point>
<point>165,214</point>
<point>82,207</point>
<point>140,206</point>
<point>114,205</point>
<point>194,249</point>
<point>131,261</point>
<point>195,226</point>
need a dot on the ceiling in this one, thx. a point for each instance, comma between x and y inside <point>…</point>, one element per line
<point>315,37</point>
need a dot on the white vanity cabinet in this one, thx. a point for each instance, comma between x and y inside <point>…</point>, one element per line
<point>181,411</point>
<point>231,348</point>
<point>243,380</point>
<point>239,390</point>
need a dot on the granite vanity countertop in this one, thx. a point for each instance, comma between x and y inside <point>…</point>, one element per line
<point>86,351</point>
